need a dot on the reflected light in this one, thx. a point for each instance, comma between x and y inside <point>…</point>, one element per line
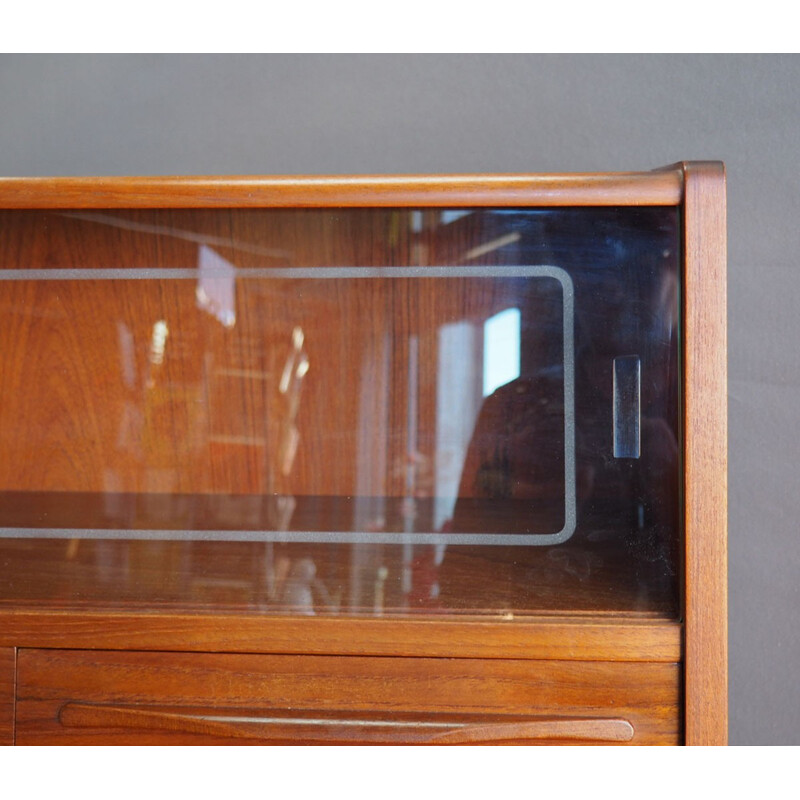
<point>302,367</point>
<point>158,342</point>
<point>452,215</point>
<point>501,346</point>
<point>495,244</point>
<point>289,443</point>
<point>216,286</point>
<point>297,364</point>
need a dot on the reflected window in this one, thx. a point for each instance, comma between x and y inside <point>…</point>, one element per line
<point>451,215</point>
<point>216,286</point>
<point>501,345</point>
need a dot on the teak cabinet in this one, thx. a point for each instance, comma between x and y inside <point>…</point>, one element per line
<point>364,460</point>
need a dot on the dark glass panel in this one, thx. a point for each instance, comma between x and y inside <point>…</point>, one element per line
<point>353,411</point>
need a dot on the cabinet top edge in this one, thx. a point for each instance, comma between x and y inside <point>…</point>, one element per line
<point>663,187</point>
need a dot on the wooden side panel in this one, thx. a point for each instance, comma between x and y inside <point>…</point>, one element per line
<point>601,189</point>
<point>170,698</point>
<point>706,493</point>
<point>8,672</point>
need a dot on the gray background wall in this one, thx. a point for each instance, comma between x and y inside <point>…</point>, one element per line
<point>128,115</point>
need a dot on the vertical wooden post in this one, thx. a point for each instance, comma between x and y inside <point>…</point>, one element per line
<point>706,432</point>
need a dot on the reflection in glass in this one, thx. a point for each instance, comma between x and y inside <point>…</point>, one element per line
<point>216,291</point>
<point>373,410</point>
<point>501,343</point>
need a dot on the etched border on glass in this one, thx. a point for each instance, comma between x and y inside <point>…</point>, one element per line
<point>343,537</point>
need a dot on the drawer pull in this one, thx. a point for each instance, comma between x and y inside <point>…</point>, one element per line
<point>86,715</point>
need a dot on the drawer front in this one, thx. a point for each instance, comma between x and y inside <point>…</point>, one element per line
<point>109,697</point>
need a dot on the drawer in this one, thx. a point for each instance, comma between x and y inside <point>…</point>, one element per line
<point>111,697</point>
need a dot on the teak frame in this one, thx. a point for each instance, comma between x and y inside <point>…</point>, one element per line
<point>698,188</point>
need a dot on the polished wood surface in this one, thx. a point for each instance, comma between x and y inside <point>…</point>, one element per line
<point>600,189</point>
<point>8,675</point>
<point>473,694</point>
<point>706,434</point>
<point>599,638</point>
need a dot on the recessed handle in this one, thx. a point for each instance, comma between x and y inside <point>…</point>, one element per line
<point>344,729</point>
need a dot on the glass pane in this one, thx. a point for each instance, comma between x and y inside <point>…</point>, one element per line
<point>341,411</point>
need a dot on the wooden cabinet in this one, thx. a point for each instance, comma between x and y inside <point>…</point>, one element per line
<point>374,460</point>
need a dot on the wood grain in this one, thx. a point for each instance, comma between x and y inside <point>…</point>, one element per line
<point>705,488</point>
<point>8,674</point>
<point>600,189</point>
<point>578,638</point>
<point>382,690</point>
